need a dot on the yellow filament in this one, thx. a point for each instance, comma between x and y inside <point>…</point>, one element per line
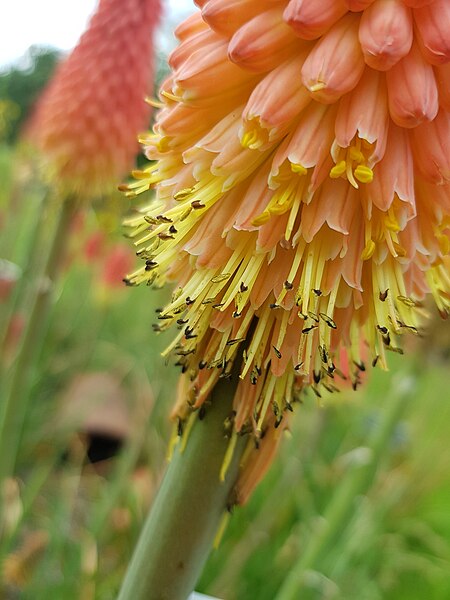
<point>228,455</point>
<point>300,169</point>
<point>338,170</point>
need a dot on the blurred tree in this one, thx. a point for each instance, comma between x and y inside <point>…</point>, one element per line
<point>20,86</point>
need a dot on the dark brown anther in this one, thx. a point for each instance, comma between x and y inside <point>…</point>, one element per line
<point>383,330</point>
<point>277,352</point>
<point>323,354</point>
<point>180,427</point>
<point>173,229</point>
<point>225,375</point>
<point>331,388</point>
<point>361,366</point>
<point>243,287</point>
<point>273,305</point>
<point>308,329</point>
<point>163,219</point>
<point>375,360</point>
<point>317,376</point>
<point>317,292</point>
<point>384,295</point>
<point>236,341</point>
<point>150,265</point>
<point>236,314</point>
<point>197,204</point>
<point>182,321</point>
<point>316,391</point>
<point>186,352</point>
<point>189,301</point>
<point>328,320</point>
<point>386,339</point>
<point>298,366</point>
<point>288,285</point>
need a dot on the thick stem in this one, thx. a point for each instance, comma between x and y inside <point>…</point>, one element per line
<point>185,517</point>
<point>13,411</point>
<point>357,481</point>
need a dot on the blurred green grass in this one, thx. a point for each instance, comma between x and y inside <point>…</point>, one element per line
<point>70,525</point>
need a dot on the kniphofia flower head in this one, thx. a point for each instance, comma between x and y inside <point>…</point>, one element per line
<point>87,120</point>
<point>302,196</point>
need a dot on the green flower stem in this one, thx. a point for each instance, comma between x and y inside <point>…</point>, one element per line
<point>15,402</point>
<point>31,260</point>
<point>185,517</point>
<point>358,480</point>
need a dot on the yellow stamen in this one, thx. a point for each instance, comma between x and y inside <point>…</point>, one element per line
<point>300,169</point>
<point>338,169</point>
<point>364,174</point>
<point>368,250</point>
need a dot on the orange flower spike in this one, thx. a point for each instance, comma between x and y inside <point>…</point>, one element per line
<point>433,26</point>
<point>302,202</point>
<point>336,63</point>
<point>412,90</point>
<point>310,20</point>
<point>386,33</point>
<point>87,120</point>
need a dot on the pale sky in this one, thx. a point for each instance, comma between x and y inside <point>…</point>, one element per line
<point>57,23</point>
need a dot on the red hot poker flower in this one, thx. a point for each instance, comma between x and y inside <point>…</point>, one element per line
<point>87,121</point>
<point>302,204</point>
